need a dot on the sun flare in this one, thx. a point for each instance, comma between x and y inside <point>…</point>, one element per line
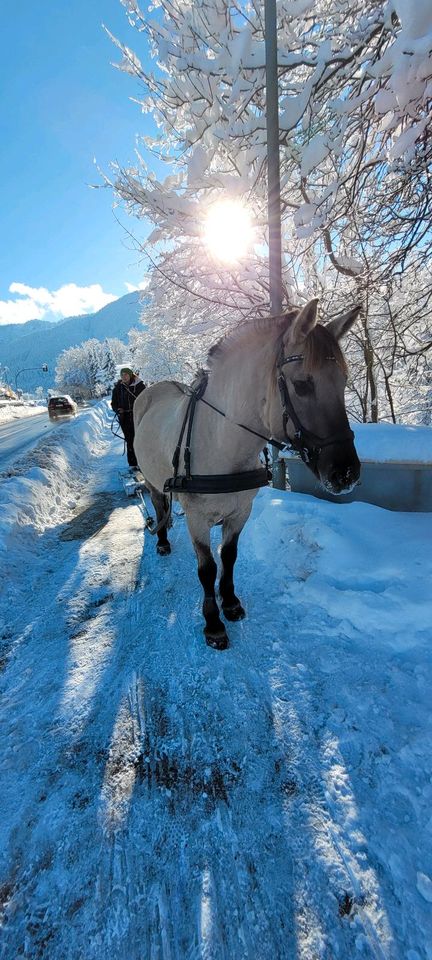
<point>228,231</point>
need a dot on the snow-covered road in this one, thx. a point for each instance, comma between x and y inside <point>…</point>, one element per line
<point>18,436</point>
<point>164,800</point>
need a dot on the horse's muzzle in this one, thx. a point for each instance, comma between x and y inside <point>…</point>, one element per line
<point>341,473</point>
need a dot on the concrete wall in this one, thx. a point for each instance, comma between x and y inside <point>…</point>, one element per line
<point>395,485</point>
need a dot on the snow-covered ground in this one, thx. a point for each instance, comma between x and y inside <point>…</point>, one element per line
<point>15,411</point>
<point>164,800</point>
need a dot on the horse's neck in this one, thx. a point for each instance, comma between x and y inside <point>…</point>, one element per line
<point>239,385</point>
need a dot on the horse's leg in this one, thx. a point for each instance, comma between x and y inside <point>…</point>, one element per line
<point>231,606</point>
<point>161,505</point>
<point>214,630</point>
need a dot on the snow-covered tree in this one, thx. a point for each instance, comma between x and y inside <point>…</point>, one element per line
<point>161,353</point>
<point>108,366</point>
<point>76,370</point>
<point>355,93</point>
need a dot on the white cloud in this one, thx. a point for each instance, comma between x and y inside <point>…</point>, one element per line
<point>38,303</point>
<point>131,287</point>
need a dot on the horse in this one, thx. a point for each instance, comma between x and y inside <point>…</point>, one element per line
<point>279,380</point>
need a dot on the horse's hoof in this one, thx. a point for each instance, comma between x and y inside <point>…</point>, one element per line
<point>163,549</point>
<point>234,613</point>
<point>219,641</point>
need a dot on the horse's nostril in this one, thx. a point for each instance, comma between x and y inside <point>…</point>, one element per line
<point>336,482</point>
<point>343,479</point>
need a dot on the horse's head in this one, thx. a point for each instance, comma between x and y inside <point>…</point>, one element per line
<point>312,374</point>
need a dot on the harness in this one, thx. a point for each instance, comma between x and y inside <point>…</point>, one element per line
<point>208,483</point>
<point>307,444</point>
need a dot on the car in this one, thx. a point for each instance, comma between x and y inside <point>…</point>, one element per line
<point>61,406</point>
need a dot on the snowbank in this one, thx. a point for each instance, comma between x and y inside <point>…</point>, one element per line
<point>331,563</point>
<point>46,480</point>
<point>385,442</point>
<point>16,411</point>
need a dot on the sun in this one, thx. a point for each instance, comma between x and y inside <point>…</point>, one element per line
<point>228,231</point>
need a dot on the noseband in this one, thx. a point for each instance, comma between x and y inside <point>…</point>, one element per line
<point>307,444</point>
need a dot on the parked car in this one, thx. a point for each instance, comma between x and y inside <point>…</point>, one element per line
<point>62,406</point>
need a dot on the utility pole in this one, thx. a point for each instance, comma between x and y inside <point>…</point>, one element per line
<point>273,167</point>
<point>273,189</point>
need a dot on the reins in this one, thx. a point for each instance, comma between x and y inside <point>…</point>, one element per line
<point>274,443</point>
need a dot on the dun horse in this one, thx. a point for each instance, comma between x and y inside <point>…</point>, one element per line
<point>281,379</point>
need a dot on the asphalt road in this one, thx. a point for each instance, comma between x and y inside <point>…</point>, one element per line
<point>20,436</point>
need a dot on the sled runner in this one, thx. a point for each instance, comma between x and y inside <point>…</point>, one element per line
<point>132,480</point>
<point>134,486</point>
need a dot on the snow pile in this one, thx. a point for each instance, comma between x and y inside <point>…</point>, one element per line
<point>15,411</point>
<point>44,482</point>
<point>385,442</point>
<point>330,564</point>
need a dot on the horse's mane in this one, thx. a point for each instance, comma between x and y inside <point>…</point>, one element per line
<point>320,344</point>
<point>259,325</point>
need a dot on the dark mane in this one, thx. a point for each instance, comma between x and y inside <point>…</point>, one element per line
<point>320,344</point>
<point>260,325</point>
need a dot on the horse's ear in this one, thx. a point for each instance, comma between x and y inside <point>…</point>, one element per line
<point>305,321</point>
<point>340,325</point>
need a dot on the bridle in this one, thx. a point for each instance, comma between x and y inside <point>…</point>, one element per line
<point>307,444</point>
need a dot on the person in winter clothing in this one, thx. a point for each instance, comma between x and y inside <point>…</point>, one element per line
<point>124,394</point>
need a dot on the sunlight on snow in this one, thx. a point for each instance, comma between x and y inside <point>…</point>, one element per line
<point>89,652</point>
<point>120,771</point>
<point>331,818</point>
<point>93,639</point>
<point>341,837</point>
<point>205,916</point>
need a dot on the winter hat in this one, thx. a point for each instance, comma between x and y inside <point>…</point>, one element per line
<point>127,370</point>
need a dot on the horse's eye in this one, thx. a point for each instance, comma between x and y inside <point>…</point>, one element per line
<point>304,388</point>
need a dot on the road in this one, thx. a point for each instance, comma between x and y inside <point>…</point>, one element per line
<point>20,436</point>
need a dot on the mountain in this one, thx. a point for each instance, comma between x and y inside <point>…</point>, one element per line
<point>37,342</point>
<point>13,331</point>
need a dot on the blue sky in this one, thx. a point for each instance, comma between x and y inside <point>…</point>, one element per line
<point>62,104</point>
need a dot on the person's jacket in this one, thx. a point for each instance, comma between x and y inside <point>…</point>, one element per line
<point>124,396</point>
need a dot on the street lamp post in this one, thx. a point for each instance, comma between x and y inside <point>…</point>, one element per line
<point>43,368</point>
<point>273,190</point>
